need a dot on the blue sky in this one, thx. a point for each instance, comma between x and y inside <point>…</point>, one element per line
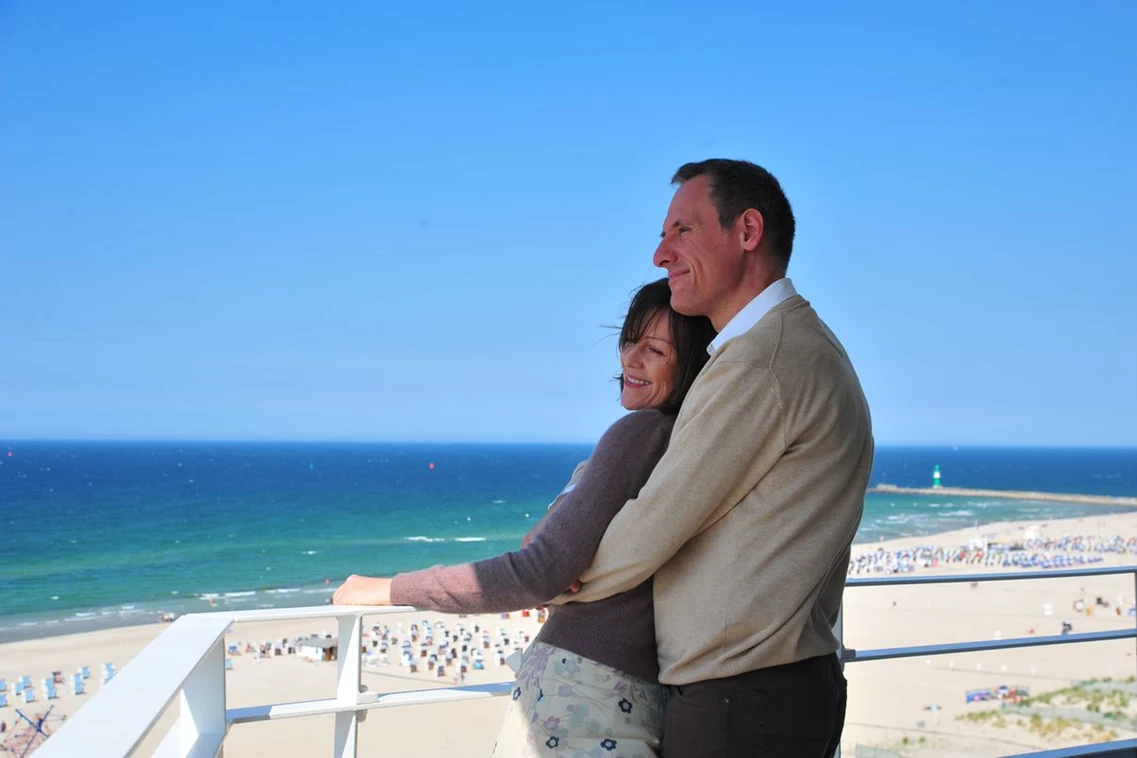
<point>372,221</point>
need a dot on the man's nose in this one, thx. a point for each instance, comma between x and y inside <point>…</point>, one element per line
<point>663,256</point>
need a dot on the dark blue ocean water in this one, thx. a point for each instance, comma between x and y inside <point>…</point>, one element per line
<point>103,534</point>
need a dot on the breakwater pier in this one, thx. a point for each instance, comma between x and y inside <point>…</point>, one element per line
<point>1052,497</point>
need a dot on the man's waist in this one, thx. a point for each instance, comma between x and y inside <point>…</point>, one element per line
<point>823,670</point>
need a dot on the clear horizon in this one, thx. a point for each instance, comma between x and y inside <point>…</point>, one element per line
<point>9,444</point>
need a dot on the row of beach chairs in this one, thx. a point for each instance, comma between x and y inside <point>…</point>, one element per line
<point>22,688</point>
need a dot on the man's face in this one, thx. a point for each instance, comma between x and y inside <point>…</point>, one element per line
<point>705,265</point>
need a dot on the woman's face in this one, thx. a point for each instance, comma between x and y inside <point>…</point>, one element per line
<point>648,366</point>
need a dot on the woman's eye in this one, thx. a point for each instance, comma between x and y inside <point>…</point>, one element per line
<point>656,350</point>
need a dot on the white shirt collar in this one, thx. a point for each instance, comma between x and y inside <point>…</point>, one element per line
<point>752,312</point>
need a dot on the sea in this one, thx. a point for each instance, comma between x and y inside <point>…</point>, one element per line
<point>106,534</point>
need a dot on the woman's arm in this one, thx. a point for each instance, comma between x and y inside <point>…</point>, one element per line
<point>573,481</point>
<point>558,553</point>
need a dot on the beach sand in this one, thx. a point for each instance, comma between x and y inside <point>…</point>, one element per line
<point>912,706</point>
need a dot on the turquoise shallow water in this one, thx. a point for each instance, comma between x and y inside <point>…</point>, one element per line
<point>105,534</point>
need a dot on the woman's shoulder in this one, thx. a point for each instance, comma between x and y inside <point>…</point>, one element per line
<point>637,424</point>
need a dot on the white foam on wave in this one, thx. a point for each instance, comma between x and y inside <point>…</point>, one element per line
<point>420,538</point>
<point>282,591</point>
<point>250,593</point>
<point>469,539</point>
<point>963,512</point>
<point>309,552</point>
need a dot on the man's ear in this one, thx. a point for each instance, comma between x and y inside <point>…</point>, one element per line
<point>751,227</point>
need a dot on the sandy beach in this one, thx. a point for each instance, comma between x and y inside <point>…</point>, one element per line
<point>911,707</point>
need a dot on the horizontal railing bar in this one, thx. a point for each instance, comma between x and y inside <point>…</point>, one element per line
<point>288,710</point>
<point>315,612</point>
<point>368,701</point>
<point>142,689</point>
<point>893,579</point>
<point>1116,749</point>
<point>471,692</point>
<point>850,655</point>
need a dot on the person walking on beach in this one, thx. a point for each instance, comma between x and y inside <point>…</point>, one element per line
<point>747,520</point>
<point>588,684</point>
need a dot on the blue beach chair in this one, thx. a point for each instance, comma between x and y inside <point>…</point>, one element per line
<point>3,699</point>
<point>49,689</point>
<point>77,684</point>
<point>228,664</point>
<point>85,672</point>
<point>29,694</point>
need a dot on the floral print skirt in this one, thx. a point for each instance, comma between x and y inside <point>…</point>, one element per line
<point>567,706</point>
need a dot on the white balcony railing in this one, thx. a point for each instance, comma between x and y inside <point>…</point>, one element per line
<point>187,662</point>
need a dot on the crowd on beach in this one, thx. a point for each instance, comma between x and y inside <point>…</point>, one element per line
<point>444,652</point>
<point>1068,551</point>
<point>432,649</point>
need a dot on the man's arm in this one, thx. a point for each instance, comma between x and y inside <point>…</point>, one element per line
<point>729,434</point>
<point>563,547</point>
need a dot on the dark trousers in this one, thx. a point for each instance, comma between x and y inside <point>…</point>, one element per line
<point>791,711</point>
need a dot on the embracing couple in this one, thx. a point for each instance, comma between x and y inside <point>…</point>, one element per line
<point>710,529</point>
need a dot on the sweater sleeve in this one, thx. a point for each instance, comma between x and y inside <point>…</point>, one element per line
<point>576,473</point>
<point>564,546</point>
<point>729,434</point>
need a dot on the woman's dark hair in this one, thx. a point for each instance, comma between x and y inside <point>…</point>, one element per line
<point>690,336</point>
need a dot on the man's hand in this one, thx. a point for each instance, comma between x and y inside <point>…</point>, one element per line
<point>363,590</point>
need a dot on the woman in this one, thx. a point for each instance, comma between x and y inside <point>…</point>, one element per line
<point>588,683</point>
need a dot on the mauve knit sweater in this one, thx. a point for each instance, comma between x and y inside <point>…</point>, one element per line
<point>618,631</point>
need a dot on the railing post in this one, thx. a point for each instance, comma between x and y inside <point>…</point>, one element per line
<point>202,700</point>
<point>348,686</point>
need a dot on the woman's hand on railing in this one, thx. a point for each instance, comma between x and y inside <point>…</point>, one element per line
<point>363,590</point>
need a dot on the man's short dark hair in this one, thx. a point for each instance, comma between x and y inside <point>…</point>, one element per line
<point>739,185</point>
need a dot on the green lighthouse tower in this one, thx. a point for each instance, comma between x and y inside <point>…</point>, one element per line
<point>936,477</point>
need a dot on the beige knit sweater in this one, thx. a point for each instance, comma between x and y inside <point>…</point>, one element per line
<point>748,519</point>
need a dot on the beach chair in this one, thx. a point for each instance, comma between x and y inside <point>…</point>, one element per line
<point>3,699</point>
<point>49,691</point>
<point>77,684</point>
<point>29,694</point>
<point>85,672</point>
<point>228,664</point>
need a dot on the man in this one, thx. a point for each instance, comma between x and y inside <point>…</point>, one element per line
<point>748,519</point>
